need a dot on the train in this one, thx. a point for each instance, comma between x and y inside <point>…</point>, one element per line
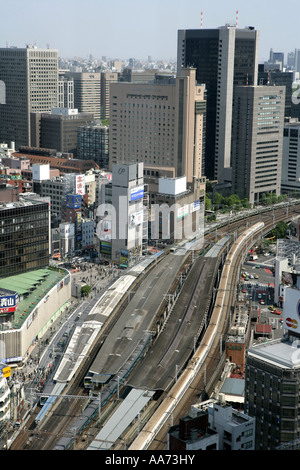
<point>155,423</point>
<point>146,436</point>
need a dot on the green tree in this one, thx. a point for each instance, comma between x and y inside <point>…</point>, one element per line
<point>280,230</point>
<point>207,203</point>
<point>218,198</point>
<point>85,290</point>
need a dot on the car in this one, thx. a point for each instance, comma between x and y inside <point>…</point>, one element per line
<point>276,312</point>
<point>256,276</point>
<point>262,302</point>
<point>271,307</point>
<point>257,266</point>
<point>251,276</point>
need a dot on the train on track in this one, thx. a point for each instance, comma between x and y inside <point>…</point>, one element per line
<point>150,430</point>
<point>148,433</point>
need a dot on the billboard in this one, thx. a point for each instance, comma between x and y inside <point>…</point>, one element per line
<point>105,248</point>
<point>8,303</point>
<point>182,211</point>
<point>80,184</point>
<point>137,193</point>
<point>74,201</point>
<point>291,310</point>
<point>195,206</point>
<point>136,218</point>
<point>104,231</point>
<point>5,371</point>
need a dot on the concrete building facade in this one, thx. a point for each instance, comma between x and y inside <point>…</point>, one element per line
<point>257,139</point>
<point>290,176</point>
<point>86,92</point>
<point>30,76</point>
<point>160,124</point>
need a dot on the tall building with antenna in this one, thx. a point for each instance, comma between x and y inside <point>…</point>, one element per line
<point>30,76</point>
<point>223,58</point>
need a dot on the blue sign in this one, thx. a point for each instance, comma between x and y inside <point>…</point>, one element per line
<point>8,300</point>
<point>74,201</point>
<point>137,193</point>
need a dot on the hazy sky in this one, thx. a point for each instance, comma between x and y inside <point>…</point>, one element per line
<point>131,28</point>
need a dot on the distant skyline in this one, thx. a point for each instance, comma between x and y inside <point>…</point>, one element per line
<point>127,29</point>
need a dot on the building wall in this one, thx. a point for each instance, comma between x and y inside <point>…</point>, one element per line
<point>223,57</point>
<point>26,74</point>
<point>17,342</point>
<point>86,92</point>
<point>159,125</point>
<point>106,79</point>
<point>258,116</point>
<point>290,178</point>
<point>22,247</point>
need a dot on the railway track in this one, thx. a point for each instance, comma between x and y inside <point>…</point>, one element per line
<point>66,412</point>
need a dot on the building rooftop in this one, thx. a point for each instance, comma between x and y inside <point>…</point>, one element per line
<point>284,353</point>
<point>32,287</point>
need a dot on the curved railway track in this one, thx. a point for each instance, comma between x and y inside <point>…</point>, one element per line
<point>236,227</point>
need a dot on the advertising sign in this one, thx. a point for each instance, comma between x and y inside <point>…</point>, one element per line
<point>5,371</point>
<point>182,211</point>
<point>291,310</point>
<point>74,201</point>
<point>137,193</point>
<point>195,206</point>
<point>136,218</point>
<point>80,184</point>
<point>8,303</point>
<point>105,248</point>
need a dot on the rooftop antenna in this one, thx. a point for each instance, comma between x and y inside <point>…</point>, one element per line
<point>237,18</point>
<point>201,19</point>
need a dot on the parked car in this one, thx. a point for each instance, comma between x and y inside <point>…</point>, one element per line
<point>277,312</point>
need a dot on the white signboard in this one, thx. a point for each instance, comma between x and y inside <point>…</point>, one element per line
<point>291,311</point>
<point>80,184</point>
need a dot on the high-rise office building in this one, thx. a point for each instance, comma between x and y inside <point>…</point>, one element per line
<point>58,129</point>
<point>30,76</point>
<point>106,79</point>
<point>23,247</point>
<point>290,176</point>
<point>86,92</point>
<point>223,57</point>
<point>275,77</point>
<point>161,124</point>
<point>257,139</point>
<point>65,91</point>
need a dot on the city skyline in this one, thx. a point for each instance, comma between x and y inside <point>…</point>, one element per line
<point>122,30</point>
